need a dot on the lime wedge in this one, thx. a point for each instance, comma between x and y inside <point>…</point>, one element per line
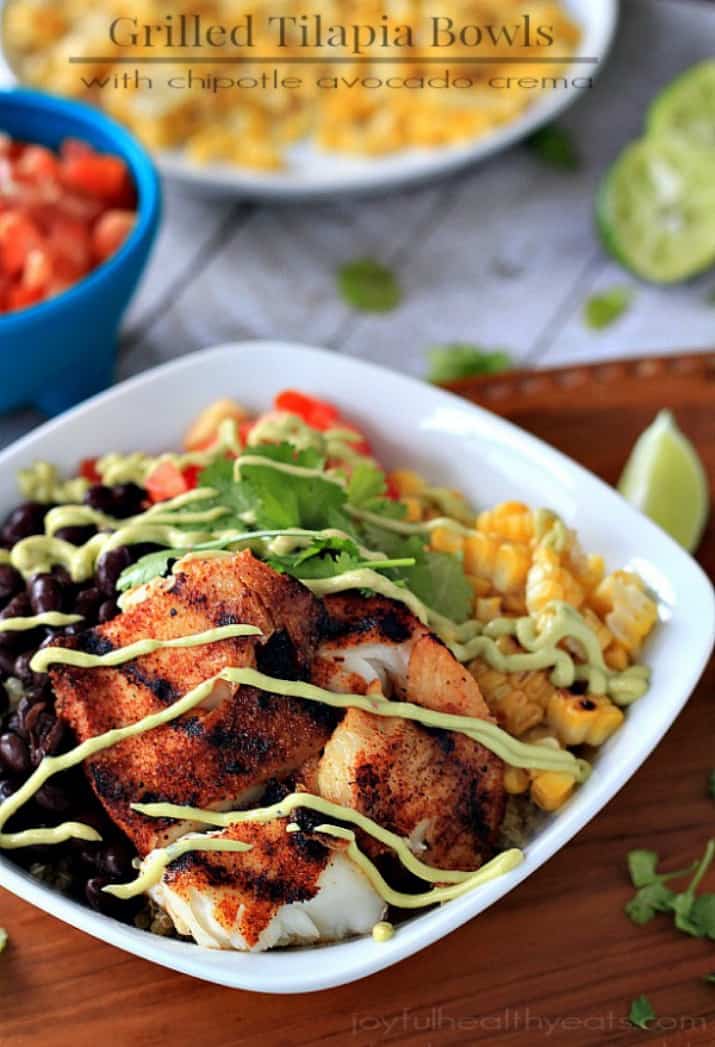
<point>655,209</point>
<point>686,107</point>
<point>665,479</point>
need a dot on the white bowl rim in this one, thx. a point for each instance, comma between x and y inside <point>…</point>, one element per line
<point>287,971</point>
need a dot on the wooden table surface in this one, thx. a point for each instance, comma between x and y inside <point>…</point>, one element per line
<point>555,962</point>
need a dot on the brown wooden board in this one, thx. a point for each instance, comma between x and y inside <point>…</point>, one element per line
<point>555,962</point>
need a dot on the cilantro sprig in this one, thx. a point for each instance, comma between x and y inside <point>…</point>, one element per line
<point>264,502</point>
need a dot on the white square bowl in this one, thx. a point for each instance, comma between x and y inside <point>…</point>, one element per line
<point>456,444</point>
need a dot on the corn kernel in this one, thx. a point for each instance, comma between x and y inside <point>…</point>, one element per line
<point>445,540</point>
<point>582,720</point>
<point>203,430</point>
<point>551,789</point>
<point>516,780</point>
<point>414,508</point>
<point>406,482</point>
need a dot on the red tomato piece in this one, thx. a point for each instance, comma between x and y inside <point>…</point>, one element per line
<point>37,274</point>
<point>110,232</point>
<point>244,429</point>
<point>191,476</point>
<point>18,236</point>
<point>19,296</point>
<point>70,245</point>
<point>316,413</point>
<point>37,164</point>
<point>165,481</point>
<point>96,174</point>
<point>88,470</point>
<point>362,445</point>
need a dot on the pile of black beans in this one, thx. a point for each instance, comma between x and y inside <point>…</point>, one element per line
<point>31,729</point>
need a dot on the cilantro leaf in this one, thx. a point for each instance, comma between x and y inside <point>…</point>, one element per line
<point>151,566</point>
<point>649,900</point>
<point>683,904</point>
<point>366,284</point>
<point>366,483</point>
<point>702,915</point>
<point>602,310</point>
<point>642,866</point>
<point>709,978</point>
<point>641,1013</point>
<point>449,363</point>
<point>438,580</point>
<point>555,147</point>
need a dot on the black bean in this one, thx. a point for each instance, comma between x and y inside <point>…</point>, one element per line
<point>7,664</point>
<point>11,582</point>
<point>115,861</point>
<point>87,603</point>
<point>23,671</point>
<point>128,499</point>
<point>52,797</point>
<point>52,739</point>
<point>26,520</point>
<point>76,535</point>
<point>62,575</point>
<point>45,593</point>
<point>101,498</point>
<point>14,754</point>
<point>97,899</point>
<point>7,788</point>
<point>19,607</point>
<point>108,610</point>
<point>110,567</point>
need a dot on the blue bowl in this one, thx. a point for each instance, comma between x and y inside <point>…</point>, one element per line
<point>61,351</point>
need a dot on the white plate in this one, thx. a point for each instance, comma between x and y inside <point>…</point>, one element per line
<point>312,172</point>
<point>457,444</point>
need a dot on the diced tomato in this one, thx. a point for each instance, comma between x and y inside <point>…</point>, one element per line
<point>97,174</point>
<point>361,446</point>
<point>88,470</point>
<point>316,413</point>
<point>72,148</point>
<point>37,164</point>
<point>391,490</point>
<point>18,236</point>
<point>191,476</point>
<point>165,481</point>
<point>110,232</point>
<point>37,274</point>
<point>61,214</point>
<point>19,296</point>
<point>69,241</point>
<point>244,429</point>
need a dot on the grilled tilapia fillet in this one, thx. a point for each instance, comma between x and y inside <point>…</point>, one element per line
<point>220,753</point>
<point>442,790</point>
<point>289,889</point>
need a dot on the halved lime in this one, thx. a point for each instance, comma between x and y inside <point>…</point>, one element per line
<point>665,479</point>
<point>686,107</point>
<point>655,209</point>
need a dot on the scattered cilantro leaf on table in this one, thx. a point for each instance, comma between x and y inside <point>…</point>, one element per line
<point>641,1013</point>
<point>368,285</point>
<point>555,146</point>
<point>455,360</point>
<point>603,309</point>
<point>653,894</point>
